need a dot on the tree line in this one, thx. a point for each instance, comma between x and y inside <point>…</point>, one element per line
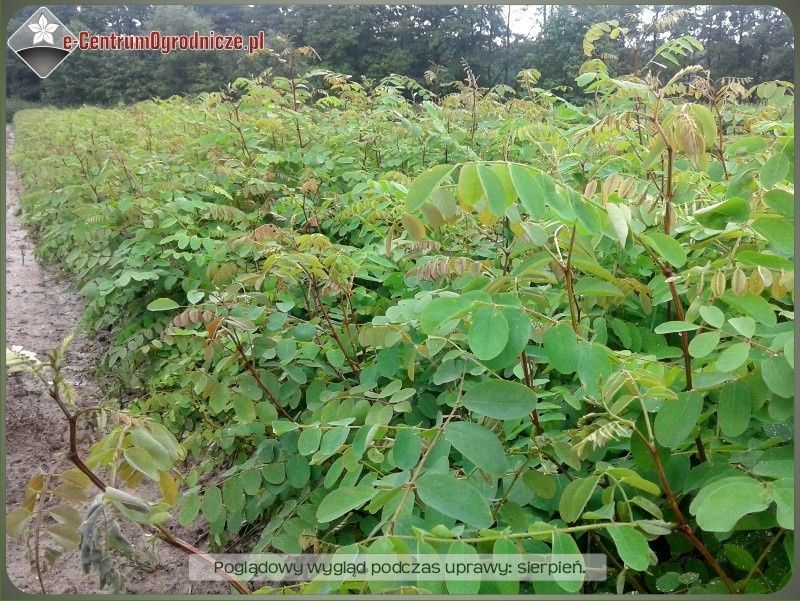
<point>371,42</point>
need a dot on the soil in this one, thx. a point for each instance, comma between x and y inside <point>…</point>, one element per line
<point>42,308</point>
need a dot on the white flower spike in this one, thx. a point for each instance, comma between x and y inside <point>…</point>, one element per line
<point>43,30</point>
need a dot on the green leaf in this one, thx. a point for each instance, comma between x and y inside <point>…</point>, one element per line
<point>783,495</point>
<point>469,185</point>
<point>298,471</point>
<point>669,327</point>
<point>189,509</point>
<point>717,216</point>
<point>458,587</point>
<point>519,327</point>
<point>479,445</point>
<point>455,498</point>
<point>494,190</point>
<point>500,399</point>
<point>211,504</point>
<point>677,418</point>
<point>542,485</point>
<point>619,222</point>
<point>733,357</point>
<point>712,316</point>
<point>528,189</point>
<point>735,408</point>
<point>739,556</point>
<point>779,376</point>
<point>561,347</point>
<point>251,481</point>
<point>752,305</point>
<point>333,439</point>
<point>780,201</point>
<point>309,439</point>
<point>575,496</point>
<point>746,326</point>
<point>343,500</point>
<point>504,546</point>
<point>440,310</point>
<point>589,286</point>
<point>632,547</point>
<point>141,460</point>
<point>666,247</point>
<point>778,231</point>
<point>587,214</point>
<point>489,333</point>
<point>162,304</point>
<point>751,258</point>
<point>722,503</point>
<point>541,185</point>
<point>703,344</point>
<point>564,544</point>
<point>746,145</point>
<point>407,448</point>
<point>774,170</point>
<point>233,494</point>
<point>421,188</point>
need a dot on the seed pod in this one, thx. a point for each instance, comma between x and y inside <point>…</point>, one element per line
<point>627,187</point>
<point>718,284</point>
<point>590,189</point>
<point>787,280</point>
<point>777,290</point>
<point>609,186</point>
<point>739,282</point>
<point>766,275</point>
<point>754,283</point>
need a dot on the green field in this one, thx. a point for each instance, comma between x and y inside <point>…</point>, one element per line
<point>493,320</point>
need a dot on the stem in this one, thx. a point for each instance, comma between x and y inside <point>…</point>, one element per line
<point>526,368</point>
<point>252,369</point>
<point>628,576</point>
<point>410,484</point>
<point>573,304</point>
<point>312,284</point>
<point>74,457</point>
<point>511,536</point>
<point>680,315</point>
<point>761,559</point>
<point>683,526</point>
<point>668,208</point>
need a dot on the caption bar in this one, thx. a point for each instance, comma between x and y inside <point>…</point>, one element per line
<point>377,567</point>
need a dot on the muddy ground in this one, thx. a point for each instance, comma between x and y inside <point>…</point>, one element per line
<point>42,308</point>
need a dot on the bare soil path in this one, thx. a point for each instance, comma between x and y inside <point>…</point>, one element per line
<point>42,308</point>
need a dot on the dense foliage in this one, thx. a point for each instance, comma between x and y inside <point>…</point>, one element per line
<point>391,319</point>
<point>374,41</point>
